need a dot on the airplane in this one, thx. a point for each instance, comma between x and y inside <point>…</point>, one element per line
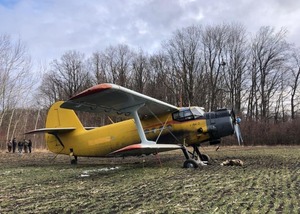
<point>153,126</point>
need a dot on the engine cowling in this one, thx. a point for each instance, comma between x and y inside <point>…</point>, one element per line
<point>219,124</point>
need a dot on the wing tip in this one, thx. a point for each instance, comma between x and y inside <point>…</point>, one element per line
<point>92,90</point>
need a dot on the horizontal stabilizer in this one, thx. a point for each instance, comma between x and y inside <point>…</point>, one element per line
<point>144,149</point>
<point>51,130</point>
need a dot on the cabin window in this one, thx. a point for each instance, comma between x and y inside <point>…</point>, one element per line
<point>188,114</point>
<point>183,115</point>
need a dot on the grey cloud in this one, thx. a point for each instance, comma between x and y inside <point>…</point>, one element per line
<point>52,27</point>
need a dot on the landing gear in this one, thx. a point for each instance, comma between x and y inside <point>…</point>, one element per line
<point>73,157</point>
<point>190,163</point>
<point>74,160</point>
<point>194,159</point>
<point>205,158</point>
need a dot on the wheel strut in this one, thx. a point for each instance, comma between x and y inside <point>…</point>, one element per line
<point>194,159</point>
<point>73,157</point>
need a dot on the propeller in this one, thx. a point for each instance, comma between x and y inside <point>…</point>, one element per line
<point>236,123</point>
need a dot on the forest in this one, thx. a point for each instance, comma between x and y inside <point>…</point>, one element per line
<point>212,66</point>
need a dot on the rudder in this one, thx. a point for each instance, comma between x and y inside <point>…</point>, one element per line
<point>59,117</point>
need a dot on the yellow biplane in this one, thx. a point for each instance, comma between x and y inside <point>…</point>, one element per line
<point>153,126</point>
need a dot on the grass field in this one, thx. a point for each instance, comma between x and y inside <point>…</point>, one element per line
<point>269,182</point>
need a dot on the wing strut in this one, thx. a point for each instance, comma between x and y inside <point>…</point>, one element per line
<point>163,124</point>
<point>134,111</point>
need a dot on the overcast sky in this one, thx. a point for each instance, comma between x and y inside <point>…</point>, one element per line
<point>49,28</point>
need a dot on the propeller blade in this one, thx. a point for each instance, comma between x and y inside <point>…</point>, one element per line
<point>237,130</point>
<point>238,133</point>
<point>233,116</point>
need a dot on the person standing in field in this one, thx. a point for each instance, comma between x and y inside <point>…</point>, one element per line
<point>25,145</point>
<point>9,146</point>
<point>29,145</point>
<point>14,145</point>
<point>20,146</point>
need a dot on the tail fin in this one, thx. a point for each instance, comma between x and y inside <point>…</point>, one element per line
<point>59,118</point>
<point>61,122</point>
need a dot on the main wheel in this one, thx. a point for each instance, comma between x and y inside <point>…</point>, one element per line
<point>190,163</point>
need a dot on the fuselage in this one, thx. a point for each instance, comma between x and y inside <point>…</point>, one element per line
<point>106,139</point>
<point>178,128</point>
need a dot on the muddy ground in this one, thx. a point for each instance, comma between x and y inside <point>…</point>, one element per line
<point>41,182</point>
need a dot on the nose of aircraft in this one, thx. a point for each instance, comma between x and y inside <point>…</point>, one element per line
<point>220,123</point>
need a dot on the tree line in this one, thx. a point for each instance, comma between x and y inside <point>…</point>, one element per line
<point>213,66</point>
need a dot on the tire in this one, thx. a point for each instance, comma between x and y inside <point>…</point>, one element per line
<point>205,157</point>
<point>74,162</point>
<point>190,163</point>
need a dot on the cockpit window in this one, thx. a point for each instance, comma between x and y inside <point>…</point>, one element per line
<point>188,114</point>
<point>197,112</point>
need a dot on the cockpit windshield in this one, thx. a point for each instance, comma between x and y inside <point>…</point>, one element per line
<point>188,114</point>
<point>197,112</point>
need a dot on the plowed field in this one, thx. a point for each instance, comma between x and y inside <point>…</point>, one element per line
<point>269,182</point>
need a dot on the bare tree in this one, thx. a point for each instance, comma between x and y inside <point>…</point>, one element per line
<point>214,40</point>
<point>15,66</point>
<point>184,52</point>
<point>294,69</point>
<point>269,50</point>
<point>160,83</point>
<point>116,63</point>
<point>16,82</point>
<point>66,77</point>
<point>253,98</point>
<point>98,67</point>
<point>234,65</point>
<point>281,97</point>
<point>140,71</point>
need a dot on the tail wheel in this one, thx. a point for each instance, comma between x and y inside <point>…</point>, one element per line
<point>73,162</point>
<point>190,163</point>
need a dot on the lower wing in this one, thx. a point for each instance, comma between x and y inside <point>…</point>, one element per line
<point>144,149</point>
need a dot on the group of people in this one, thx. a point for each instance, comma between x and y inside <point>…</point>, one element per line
<point>25,145</point>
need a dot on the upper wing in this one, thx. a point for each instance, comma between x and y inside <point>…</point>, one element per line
<point>112,99</point>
